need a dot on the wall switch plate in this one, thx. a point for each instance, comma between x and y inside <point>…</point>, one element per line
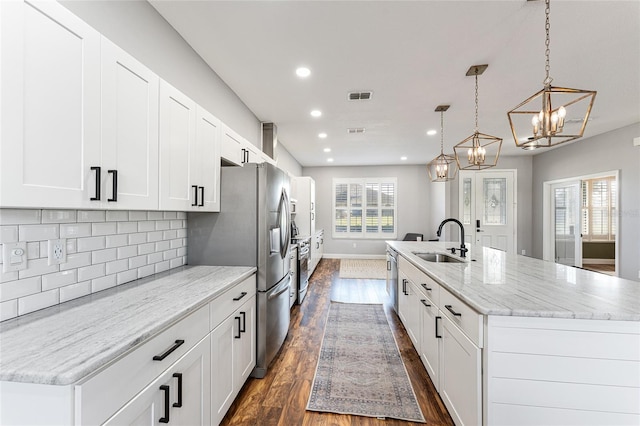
<point>57,251</point>
<point>14,256</point>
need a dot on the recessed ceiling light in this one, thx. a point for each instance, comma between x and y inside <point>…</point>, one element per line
<point>303,72</point>
<point>403,158</point>
<point>327,150</point>
<point>329,160</point>
<point>316,113</point>
<point>432,132</point>
<point>322,135</point>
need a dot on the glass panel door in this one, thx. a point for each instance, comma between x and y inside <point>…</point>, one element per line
<point>566,223</point>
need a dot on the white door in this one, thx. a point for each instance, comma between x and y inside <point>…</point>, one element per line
<point>222,365</point>
<point>245,350</point>
<point>205,164</point>
<point>487,208</point>
<point>129,131</point>
<point>232,148</point>
<point>565,223</point>
<point>50,114</point>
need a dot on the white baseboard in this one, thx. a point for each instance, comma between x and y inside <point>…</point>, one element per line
<point>353,256</point>
<point>598,261</point>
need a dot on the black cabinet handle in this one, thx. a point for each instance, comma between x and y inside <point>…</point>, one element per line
<point>239,330</point>
<point>165,389</point>
<point>437,335</point>
<point>179,377</point>
<point>175,346</point>
<point>195,195</point>
<point>424,302</point>
<point>450,309</point>
<point>243,328</point>
<point>201,204</point>
<point>424,285</point>
<point>404,286</point>
<point>98,184</point>
<point>114,185</point>
<point>243,294</point>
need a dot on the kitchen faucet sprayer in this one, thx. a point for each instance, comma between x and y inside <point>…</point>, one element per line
<point>463,249</point>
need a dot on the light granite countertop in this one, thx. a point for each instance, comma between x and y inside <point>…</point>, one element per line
<point>496,283</point>
<point>62,344</point>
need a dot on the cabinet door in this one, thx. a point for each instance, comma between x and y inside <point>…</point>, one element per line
<point>430,340</point>
<point>205,164</point>
<point>222,365</point>
<point>254,154</point>
<point>161,399</point>
<point>244,354</point>
<point>50,107</point>
<point>129,131</point>
<point>413,314</point>
<point>460,375</point>
<point>403,299</point>
<point>312,198</point>
<point>177,137</point>
<point>232,148</point>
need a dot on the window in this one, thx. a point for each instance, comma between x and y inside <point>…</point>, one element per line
<point>365,208</point>
<point>599,215</point>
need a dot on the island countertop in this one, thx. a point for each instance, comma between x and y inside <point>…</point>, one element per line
<point>62,344</point>
<point>496,283</point>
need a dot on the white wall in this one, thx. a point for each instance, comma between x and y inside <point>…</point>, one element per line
<point>414,210</point>
<point>136,27</point>
<point>610,151</point>
<point>286,161</point>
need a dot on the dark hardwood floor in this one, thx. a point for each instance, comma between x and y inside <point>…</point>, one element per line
<point>281,397</point>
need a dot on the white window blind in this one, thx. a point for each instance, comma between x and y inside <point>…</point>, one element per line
<point>365,208</point>
<point>599,216</point>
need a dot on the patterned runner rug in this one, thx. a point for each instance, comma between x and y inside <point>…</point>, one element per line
<point>363,268</point>
<point>360,370</point>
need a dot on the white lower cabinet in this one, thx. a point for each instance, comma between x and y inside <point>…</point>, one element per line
<point>430,339</point>
<point>180,395</point>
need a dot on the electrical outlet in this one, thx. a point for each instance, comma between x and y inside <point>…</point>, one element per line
<point>524,252</point>
<point>14,257</point>
<point>57,251</point>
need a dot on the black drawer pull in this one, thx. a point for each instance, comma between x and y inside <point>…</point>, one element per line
<point>243,294</point>
<point>201,203</point>
<point>239,335</point>
<point>458,314</point>
<point>243,329</point>
<point>424,285</point>
<point>437,335</point>
<point>165,389</point>
<point>179,377</point>
<point>424,302</point>
<point>195,195</point>
<point>98,184</point>
<point>114,185</point>
<point>177,344</point>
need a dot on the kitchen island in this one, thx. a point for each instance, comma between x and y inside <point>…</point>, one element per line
<point>84,361</point>
<point>510,339</point>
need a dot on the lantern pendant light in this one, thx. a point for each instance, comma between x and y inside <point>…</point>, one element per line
<point>443,168</point>
<point>479,151</point>
<point>553,115</point>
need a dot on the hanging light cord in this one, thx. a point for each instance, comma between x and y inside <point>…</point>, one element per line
<point>441,132</point>
<point>476,72</point>
<point>547,52</point>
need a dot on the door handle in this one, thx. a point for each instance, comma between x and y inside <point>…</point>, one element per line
<point>243,328</point>
<point>239,335</point>
<point>175,346</point>
<point>114,185</point>
<point>195,195</point>
<point>179,377</point>
<point>201,204</point>
<point>98,184</point>
<point>166,390</point>
<point>437,335</point>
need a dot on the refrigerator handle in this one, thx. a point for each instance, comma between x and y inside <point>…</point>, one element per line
<point>284,220</point>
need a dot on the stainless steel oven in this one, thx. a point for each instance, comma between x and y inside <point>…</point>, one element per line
<point>304,246</point>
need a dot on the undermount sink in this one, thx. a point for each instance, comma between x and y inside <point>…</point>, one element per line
<point>438,257</point>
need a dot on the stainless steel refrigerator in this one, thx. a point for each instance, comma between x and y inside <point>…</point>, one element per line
<point>252,229</point>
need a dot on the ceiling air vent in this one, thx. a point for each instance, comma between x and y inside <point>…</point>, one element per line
<point>355,130</point>
<point>360,96</point>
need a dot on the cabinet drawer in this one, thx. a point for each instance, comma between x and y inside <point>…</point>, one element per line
<point>230,300</point>
<point>469,321</point>
<point>425,284</point>
<point>103,394</point>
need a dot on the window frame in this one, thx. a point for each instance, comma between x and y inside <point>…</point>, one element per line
<point>587,209</point>
<point>363,234</point>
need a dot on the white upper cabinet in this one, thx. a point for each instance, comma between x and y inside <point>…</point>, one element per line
<point>177,136</point>
<point>129,131</point>
<point>233,147</point>
<point>205,164</point>
<point>50,107</point>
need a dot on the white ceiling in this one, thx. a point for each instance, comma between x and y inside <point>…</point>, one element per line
<point>414,56</point>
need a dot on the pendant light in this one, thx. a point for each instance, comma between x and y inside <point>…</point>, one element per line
<point>444,167</point>
<point>553,115</point>
<point>479,151</point>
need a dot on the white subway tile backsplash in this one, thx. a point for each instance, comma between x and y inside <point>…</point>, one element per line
<point>8,309</point>
<point>103,283</point>
<point>104,249</point>
<point>9,234</point>
<point>91,215</point>
<point>105,228</point>
<point>74,291</point>
<point>102,256</point>
<point>91,243</point>
<point>20,217</point>
<point>75,230</point>
<point>38,232</point>
<point>91,272</point>
<point>59,279</point>
<point>20,288</point>
<point>58,216</point>
<point>38,301</point>
<point>117,215</point>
